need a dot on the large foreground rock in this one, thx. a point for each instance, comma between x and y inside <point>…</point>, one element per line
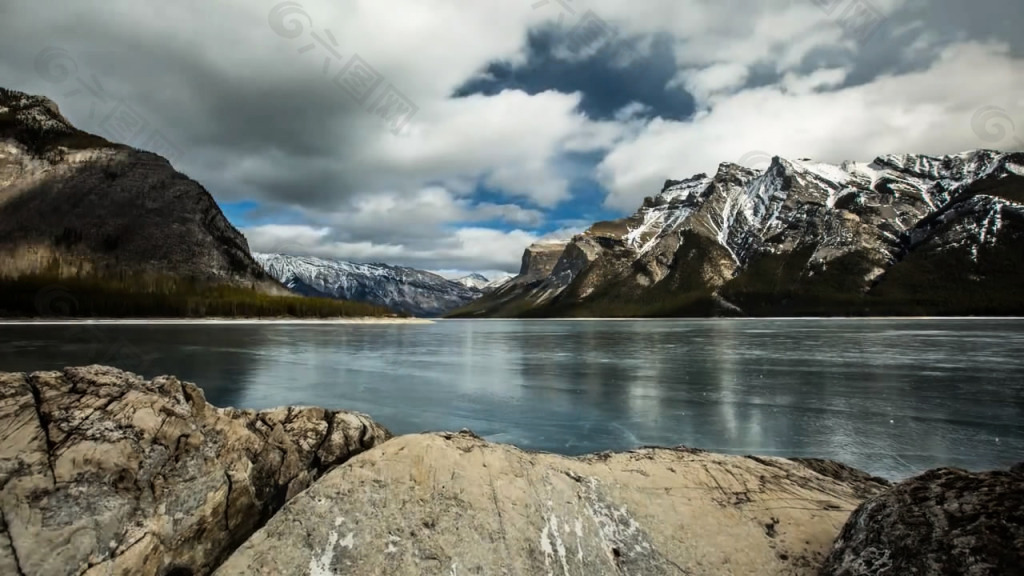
<point>454,504</point>
<point>943,522</point>
<point>104,473</point>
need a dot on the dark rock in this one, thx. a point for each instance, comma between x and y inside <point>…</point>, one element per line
<point>670,183</point>
<point>76,205</point>
<point>944,522</point>
<point>868,484</point>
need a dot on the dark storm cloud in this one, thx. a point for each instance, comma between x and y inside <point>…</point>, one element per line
<point>222,102</point>
<point>932,25</point>
<point>606,84</point>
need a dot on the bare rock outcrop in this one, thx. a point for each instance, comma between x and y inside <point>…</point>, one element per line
<point>453,504</point>
<point>74,205</point>
<point>942,522</point>
<point>539,259</point>
<point>105,473</point>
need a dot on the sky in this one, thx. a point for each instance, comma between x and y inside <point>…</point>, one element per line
<point>449,135</point>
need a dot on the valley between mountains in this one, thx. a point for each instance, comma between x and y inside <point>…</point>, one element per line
<point>122,233</point>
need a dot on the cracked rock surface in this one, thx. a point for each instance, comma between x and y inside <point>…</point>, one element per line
<point>453,504</point>
<point>943,522</point>
<point>105,473</point>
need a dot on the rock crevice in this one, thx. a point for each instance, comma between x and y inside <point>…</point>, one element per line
<point>107,473</point>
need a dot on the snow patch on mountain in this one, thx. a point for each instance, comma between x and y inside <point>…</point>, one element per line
<point>409,290</point>
<point>474,281</point>
<point>741,208</point>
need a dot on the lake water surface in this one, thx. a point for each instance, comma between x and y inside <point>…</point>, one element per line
<point>892,397</point>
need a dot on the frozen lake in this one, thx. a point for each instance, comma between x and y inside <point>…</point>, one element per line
<point>892,397</point>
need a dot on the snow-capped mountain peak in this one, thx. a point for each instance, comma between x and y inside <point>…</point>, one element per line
<point>759,240</point>
<point>474,281</point>
<point>417,292</point>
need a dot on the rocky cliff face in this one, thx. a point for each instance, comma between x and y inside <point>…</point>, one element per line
<point>904,234</point>
<point>408,290</point>
<point>539,260</point>
<point>105,473</point>
<point>531,287</point>
<point>72,203</point>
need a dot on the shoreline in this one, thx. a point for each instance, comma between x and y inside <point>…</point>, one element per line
<point>386,320</point>
<point>338,489</point>
<point>740,318</point>
<point>213,320</point>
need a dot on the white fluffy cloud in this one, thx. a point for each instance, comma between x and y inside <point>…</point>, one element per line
<point>483,249</point>
<point>929,111</point>
<point>259,120</point>
<point>511,139</point>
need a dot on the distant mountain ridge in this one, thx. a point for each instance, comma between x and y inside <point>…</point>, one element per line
<point>409,290</point>
<point>474,281</point>
<point>93,228</point>
<point>74,203</point>
<point>480,282</point>
<point>903,234</point>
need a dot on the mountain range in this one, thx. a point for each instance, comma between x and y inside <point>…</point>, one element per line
<point>903,234</point>
<point>900,235</point>
<point>480,282</point>
<point>90,227</point>
<point>408,290</point>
